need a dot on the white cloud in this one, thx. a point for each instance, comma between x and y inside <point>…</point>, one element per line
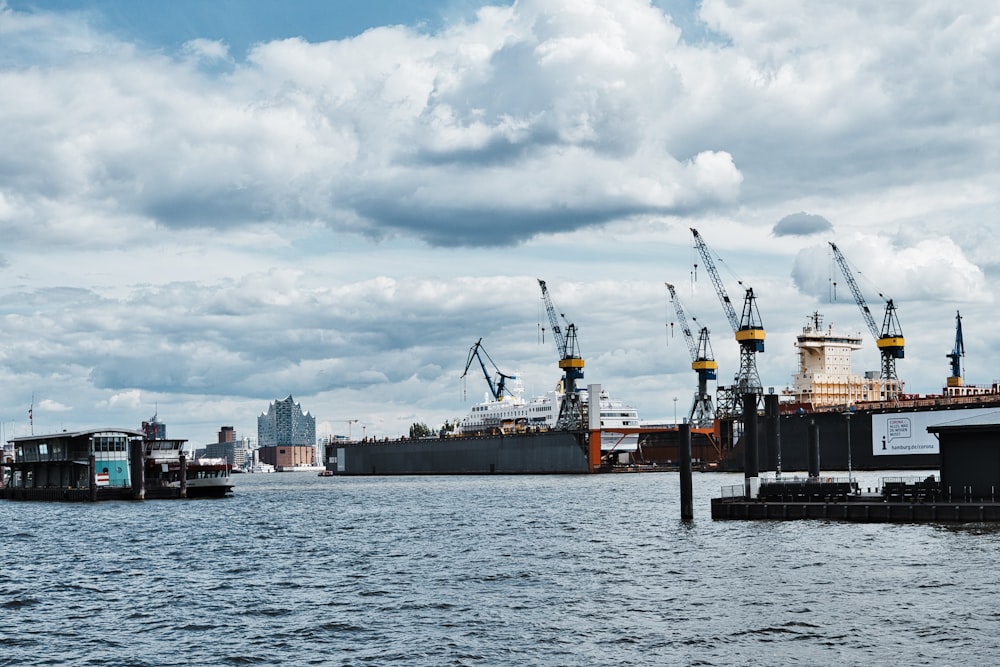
<point>342,220</point>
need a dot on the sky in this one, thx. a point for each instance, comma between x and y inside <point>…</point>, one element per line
<point>209,206</point>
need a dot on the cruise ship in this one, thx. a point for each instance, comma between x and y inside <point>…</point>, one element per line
<point>515,414</point>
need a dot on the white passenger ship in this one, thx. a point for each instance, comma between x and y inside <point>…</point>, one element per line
<point>514,413</point>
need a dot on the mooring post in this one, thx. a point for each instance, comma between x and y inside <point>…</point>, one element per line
<point>687,502</point>
<point>813,449</point>
<point>184,480</point>
<point>751,466</point>
<point>92,464</point>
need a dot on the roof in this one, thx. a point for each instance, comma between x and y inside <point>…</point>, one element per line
<point>77,434</point>
<point>983,422</point>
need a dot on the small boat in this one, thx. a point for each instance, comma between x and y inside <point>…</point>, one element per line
<point>203,478</point>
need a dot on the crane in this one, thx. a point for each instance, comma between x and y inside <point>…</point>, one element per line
<point>957,353</point>
<point>702,361</point>
<point>889,339</point>
<point>571,363</point>
<point>747,328</point>
<point>349,422</point>
<point>498,388</point>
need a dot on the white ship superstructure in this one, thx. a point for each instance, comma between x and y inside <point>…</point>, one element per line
<point>514,413</point>
<point>825,376</point>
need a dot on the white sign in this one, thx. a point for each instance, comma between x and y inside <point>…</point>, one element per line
<point>906,432</point>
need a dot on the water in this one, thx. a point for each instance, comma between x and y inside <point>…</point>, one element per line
<point>530,570</point>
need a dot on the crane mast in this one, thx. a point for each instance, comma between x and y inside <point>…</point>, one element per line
<point>571,407</point>
<point>749,332</point>
<point>498,388</point>
<point>702,412</point>
<point>889,339</point>
<point>957,353</point>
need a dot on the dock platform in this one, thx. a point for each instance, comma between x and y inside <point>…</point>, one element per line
<point>899,500</point>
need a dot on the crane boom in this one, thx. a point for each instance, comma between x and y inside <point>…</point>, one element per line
<point>713,273</point>
<point>553,320</point>
<point>682,320</point>
<point>855,290</point>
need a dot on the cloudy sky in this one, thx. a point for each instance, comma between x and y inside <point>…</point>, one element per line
<point>207,206</point>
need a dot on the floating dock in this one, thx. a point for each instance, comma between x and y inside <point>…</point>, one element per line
<point>899,500</point>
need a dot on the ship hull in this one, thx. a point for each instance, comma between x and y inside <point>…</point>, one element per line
<point>553,452</point>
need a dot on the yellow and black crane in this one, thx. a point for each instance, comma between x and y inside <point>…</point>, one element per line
<point>749,332</point>
<point>889,339</point>
<point>702,413</point>
<point>571,407</point>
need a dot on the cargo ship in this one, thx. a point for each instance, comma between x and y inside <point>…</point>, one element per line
<point>862,423</point>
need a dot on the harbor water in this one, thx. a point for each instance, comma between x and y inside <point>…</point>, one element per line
<point>297,569</point>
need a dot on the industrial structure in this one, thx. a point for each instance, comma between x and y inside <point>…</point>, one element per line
<point>749,332</point>
<point>889,340</point>
<point>571,408</point>
<point>702,414</point>
<point>498,387</point>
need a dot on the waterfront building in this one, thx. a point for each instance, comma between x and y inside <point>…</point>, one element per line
<point>286,437</point>
<point>154,429</point>
<point>225,447</point>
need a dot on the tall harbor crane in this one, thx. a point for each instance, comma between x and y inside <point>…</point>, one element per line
<point>571,363</point>
<point>889,339</point>
<point>957,352</point>
<point>748,329</point>
<point>498,387</point>
<point>702,362</point>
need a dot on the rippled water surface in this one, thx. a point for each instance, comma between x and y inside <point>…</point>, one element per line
<point>548,570</point>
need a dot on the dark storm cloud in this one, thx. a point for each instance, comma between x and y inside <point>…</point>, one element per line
<point>801,224</point>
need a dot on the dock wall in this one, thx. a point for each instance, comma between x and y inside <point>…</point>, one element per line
<point>555,452</point>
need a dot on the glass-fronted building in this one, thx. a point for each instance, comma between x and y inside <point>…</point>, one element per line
<point>285,424</point>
